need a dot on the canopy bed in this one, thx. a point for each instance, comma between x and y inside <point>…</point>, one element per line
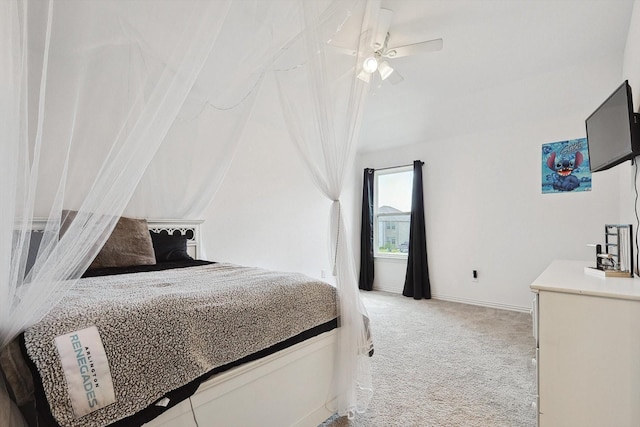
<point>230,334</point>
<point>133,109</point>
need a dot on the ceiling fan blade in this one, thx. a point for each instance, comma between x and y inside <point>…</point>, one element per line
<point>382,28</point>
<point>342,50</point>
<point>395,77</point>
<point>414,49</point>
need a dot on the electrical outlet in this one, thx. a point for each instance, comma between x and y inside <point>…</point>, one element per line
<point>474,275</point>
<point>323,274</point>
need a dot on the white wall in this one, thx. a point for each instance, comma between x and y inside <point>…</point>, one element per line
<point>267,212</point>
<point>631,72</point>
<point>483,201</point>
<point>631,65</point>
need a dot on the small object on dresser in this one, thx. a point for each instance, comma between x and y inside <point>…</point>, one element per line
<point>606,272</point>
<point>617,258</point>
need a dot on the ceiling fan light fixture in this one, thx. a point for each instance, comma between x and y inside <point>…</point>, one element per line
<point>370,64</point>
<point>385,70</point>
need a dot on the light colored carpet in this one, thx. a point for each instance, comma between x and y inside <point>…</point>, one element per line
<point>440,363</point>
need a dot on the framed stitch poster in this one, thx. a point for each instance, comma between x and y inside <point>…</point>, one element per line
<point>565,166</point>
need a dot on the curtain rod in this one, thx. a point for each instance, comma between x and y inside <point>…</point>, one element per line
<point>394,167</point>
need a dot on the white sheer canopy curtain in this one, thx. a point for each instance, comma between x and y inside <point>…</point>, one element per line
<point>93,93</point>
<point>77,140</point>
<point>111,107</point>
<point>323,103</point>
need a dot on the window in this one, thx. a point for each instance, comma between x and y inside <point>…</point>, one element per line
<point>392,211</point>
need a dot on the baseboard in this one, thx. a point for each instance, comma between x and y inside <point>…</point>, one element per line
<point>466,301</point>
<point>482,303</point>
<point>390,290</point>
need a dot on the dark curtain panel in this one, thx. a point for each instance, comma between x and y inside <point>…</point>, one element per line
<point>366,233</point>
<point>416,282</point>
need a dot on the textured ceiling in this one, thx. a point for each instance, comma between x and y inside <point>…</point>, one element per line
<point>489,45</point>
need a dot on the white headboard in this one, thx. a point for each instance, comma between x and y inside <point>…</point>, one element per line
<point>186,227</point>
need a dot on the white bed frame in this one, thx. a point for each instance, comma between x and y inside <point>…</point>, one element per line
<point>291,387</point>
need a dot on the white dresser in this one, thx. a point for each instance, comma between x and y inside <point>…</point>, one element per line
<point>587,331</point>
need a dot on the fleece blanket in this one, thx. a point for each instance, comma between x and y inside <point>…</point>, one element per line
<point>161,330</point>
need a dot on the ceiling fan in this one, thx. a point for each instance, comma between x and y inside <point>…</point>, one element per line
<point>377,61</point>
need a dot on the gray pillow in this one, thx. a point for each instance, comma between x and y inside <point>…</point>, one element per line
<point>129,244</point>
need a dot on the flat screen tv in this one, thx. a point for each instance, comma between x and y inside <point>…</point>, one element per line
<point>613,131</point>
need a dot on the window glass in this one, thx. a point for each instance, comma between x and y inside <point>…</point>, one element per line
<point>394,190</point>
<point>392,211</point>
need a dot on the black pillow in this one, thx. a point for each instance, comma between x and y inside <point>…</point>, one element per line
<point>169,247</point>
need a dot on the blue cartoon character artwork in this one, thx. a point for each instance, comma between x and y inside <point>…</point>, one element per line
<point>565,166</point>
